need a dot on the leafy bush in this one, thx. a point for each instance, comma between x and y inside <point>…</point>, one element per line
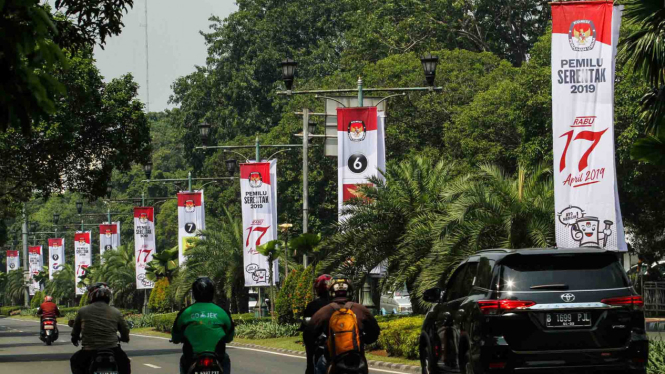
<point>84,299</point>
<point>68,310</point>
<point>304,292</point>
<point>137,321</point>
<point>400,336</point>
<point>284,301</point>
<point>656,357</point>
<point>160,297</point>
<point>37,300</point>
<point>6,310</point>
<point>245,318</point>
<point>32,312</point>
<point>163,322</point>
<point>266,330</point>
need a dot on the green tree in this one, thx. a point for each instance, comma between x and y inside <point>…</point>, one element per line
<point>642,49</point>
<point>14,287</point>
<point>163,265</point>
<point>32,46</point>
<point>160,297</point>
<point>271,250</point>
<point>61,287</point>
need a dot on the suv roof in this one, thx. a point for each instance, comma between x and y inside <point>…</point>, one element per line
<point>498,253</point>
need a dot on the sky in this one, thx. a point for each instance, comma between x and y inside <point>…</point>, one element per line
<point>175,45</point>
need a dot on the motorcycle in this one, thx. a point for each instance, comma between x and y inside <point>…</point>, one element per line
<point>103,362</point>
<point>206,363</point>
<point>49,330</point>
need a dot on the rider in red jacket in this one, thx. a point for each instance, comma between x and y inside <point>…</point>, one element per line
<point>48,309</point>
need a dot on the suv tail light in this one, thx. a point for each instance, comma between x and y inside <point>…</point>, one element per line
<point>495,307</point>
<point>635,301</point>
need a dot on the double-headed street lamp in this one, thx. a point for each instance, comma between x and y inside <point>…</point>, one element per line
<point>429,64</point>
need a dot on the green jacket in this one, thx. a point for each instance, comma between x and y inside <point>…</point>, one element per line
<point>202,325</point>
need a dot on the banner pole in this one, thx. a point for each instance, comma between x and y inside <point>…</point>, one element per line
<point>24,233</point>
<point>108,213</point>
<point>360,92</point>
<point>305,179</point>
<point>258,152</point>
<point>189,181</point>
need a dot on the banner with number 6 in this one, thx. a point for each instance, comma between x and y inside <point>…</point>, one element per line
<point>258,191</point>
<point>144,244</point>
<point>585,35</point>
<point>191,220</point>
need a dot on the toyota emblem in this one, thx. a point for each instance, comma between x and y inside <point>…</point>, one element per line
<point>568,297</point>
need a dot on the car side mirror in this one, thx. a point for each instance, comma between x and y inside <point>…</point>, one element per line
<point>433,295</point>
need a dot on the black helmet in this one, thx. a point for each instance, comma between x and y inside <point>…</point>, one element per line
<point>340,287</point>
<point>100,292</point>
<point>203,289</point>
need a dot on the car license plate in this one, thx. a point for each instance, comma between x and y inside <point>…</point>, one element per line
<point>572,319</point>
<point>48,327</point>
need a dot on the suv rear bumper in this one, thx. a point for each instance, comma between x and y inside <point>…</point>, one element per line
<point>631,358</point>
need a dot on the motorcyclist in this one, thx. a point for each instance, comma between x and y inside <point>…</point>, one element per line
<point>323,299</point>
<point>98,324</point>
<point>203,327</point>
<point>48,309</point>
<point>341,291</point>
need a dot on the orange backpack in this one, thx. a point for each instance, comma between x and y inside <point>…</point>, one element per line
<point>343,332</point>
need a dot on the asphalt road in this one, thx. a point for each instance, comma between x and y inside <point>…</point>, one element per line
<point>21,352</point>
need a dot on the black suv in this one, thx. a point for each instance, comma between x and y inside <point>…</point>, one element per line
<point>535,311</point>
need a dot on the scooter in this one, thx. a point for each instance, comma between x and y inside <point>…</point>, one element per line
<point>206,363</point>
<point>49,330</point>
<point>103,363</point>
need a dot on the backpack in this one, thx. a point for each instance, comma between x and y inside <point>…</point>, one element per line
<point>343,333</point>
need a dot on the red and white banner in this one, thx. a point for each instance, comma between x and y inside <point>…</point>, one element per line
<point>258,191</point>
<point>56,256</point>
<point>109,238</point>
<point>35,264</point>
<point>360,149</point>
<point>584,44</point>
<point>82,256</point>
<point>144,243</point>
<point>12,261</point>
<point>191,220</point>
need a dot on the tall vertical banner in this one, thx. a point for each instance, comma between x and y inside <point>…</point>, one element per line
<point>35,263</point>
<point>584,44</point>
<point>144,243</point>
<point>191,219</point>
<point>109,237</point>
<point>360,150</point>
<point>258,190</point>
<point>56,256</point>
<point>12,261</point>
<point>82,256</point>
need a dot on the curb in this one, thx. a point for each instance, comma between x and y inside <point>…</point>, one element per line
<point>371,363</point>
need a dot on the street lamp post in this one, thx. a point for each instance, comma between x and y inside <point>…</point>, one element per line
<point>429,64</point>
<point>26,273</point>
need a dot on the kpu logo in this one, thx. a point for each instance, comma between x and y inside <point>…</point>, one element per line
<point>255,180</point>
<point>582,35</point>
<point>357,131</point>
<point>189,206</point>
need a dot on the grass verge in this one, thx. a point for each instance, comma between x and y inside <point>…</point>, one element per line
<point>150,331</point>
<point>295,344</point>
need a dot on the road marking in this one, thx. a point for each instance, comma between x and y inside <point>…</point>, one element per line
<point>153,366</point>
<point>149,336</point>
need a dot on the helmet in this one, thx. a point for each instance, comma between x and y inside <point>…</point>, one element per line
<point>203,289</point>
<point>100,292</point>
<point>340,287</point>
<point>48,299</point>
<point>321,284</point>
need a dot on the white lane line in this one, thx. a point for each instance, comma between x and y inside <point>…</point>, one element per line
<point>153,366</point>
<point>149,336</point>
<point>304,358</point>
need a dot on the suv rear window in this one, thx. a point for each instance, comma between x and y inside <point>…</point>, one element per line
<point>575,271</point>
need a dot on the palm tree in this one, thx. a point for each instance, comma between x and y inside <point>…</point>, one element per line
<point>14,286</point>
<point>119,272</point>
<point>163,264</point>
<point>390,223</point>
<point>271,250</point>
<point>644,49</point>
<point>489,209</point>
<point>218,255</point>
<point>61,287</point>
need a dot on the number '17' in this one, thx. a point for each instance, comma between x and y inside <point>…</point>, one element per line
<point>593,136</point>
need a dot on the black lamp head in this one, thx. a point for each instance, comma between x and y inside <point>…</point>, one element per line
<point>147,168</point>
<point>288,72</point>
<point>56,218</point>
<point>429,67</point>
<point>231,166</point>
<point>109,190</point>
<point>79,207</point>
<point>33,227</point>
<point>204,131</point>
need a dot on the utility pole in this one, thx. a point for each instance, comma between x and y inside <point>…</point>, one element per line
<point>26,272</point>
<point>305,179</point>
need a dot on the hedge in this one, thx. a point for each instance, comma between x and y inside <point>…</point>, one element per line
<point>400,337</point>
<point>266,330</point>
<point>6,310</point>
<point>163,322</point>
